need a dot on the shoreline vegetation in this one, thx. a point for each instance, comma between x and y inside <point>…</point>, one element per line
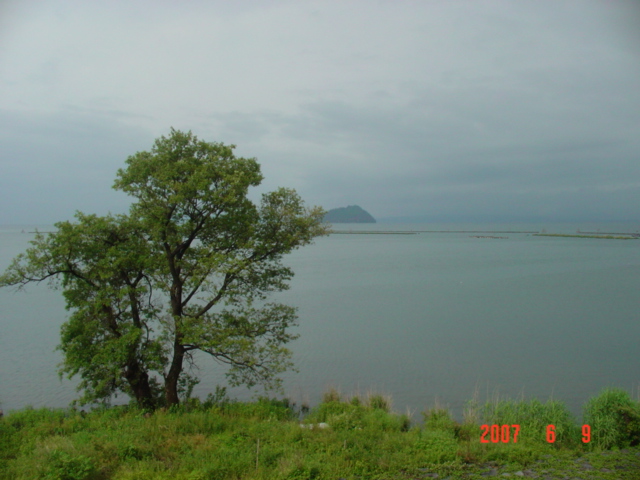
<point>349,437</point>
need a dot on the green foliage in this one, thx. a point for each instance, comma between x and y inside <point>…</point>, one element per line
<point>614,419</point>
<point>9,443</point>
<point>52,456</point>
<point>189,268</point>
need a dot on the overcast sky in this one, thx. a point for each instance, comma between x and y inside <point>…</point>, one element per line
<point>450,110</point>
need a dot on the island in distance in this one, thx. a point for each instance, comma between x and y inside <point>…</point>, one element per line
<point>350,214</point>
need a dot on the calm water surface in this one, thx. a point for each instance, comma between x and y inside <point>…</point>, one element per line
<point>425,318</point>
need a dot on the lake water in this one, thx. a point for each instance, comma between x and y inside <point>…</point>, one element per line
<point>425,318</point>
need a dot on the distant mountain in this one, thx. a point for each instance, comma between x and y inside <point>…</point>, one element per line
<point>350,214</point>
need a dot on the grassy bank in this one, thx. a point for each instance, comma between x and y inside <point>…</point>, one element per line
<point>340,438</point>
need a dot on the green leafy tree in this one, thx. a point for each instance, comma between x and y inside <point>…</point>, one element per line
<point>189,268</point>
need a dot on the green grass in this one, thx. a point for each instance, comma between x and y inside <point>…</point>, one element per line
<point>222,439</point>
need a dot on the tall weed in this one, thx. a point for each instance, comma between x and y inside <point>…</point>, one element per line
<point>534,419</point>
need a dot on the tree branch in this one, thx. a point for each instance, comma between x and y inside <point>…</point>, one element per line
<point>228,278</point>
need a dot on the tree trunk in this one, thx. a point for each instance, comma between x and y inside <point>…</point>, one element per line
<point>171,380</point>
<point>138,380</point>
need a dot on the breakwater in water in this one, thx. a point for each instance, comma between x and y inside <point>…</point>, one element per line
<point>485,236</point>
<point>477,231</point>
<point>624,236</point>
<point>415,232</point>
<point>370,232</point>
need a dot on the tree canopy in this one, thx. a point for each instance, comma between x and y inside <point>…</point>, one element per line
<point>188,269</point>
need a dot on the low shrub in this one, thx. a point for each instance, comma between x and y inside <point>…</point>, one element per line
<point>439,419</point>
<point>354,415</point>
<point>437,446</point>
<point>614,419</point>
<point>331,396</point>
<point>62,465</point>
<point>379,402</point>
<point>30,417</point>
<point>263,409</point>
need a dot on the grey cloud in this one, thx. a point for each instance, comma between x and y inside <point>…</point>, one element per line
<point>459,109</point>
<point>56,164</point>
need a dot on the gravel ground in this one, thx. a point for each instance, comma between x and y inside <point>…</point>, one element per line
<point>617,465</point>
